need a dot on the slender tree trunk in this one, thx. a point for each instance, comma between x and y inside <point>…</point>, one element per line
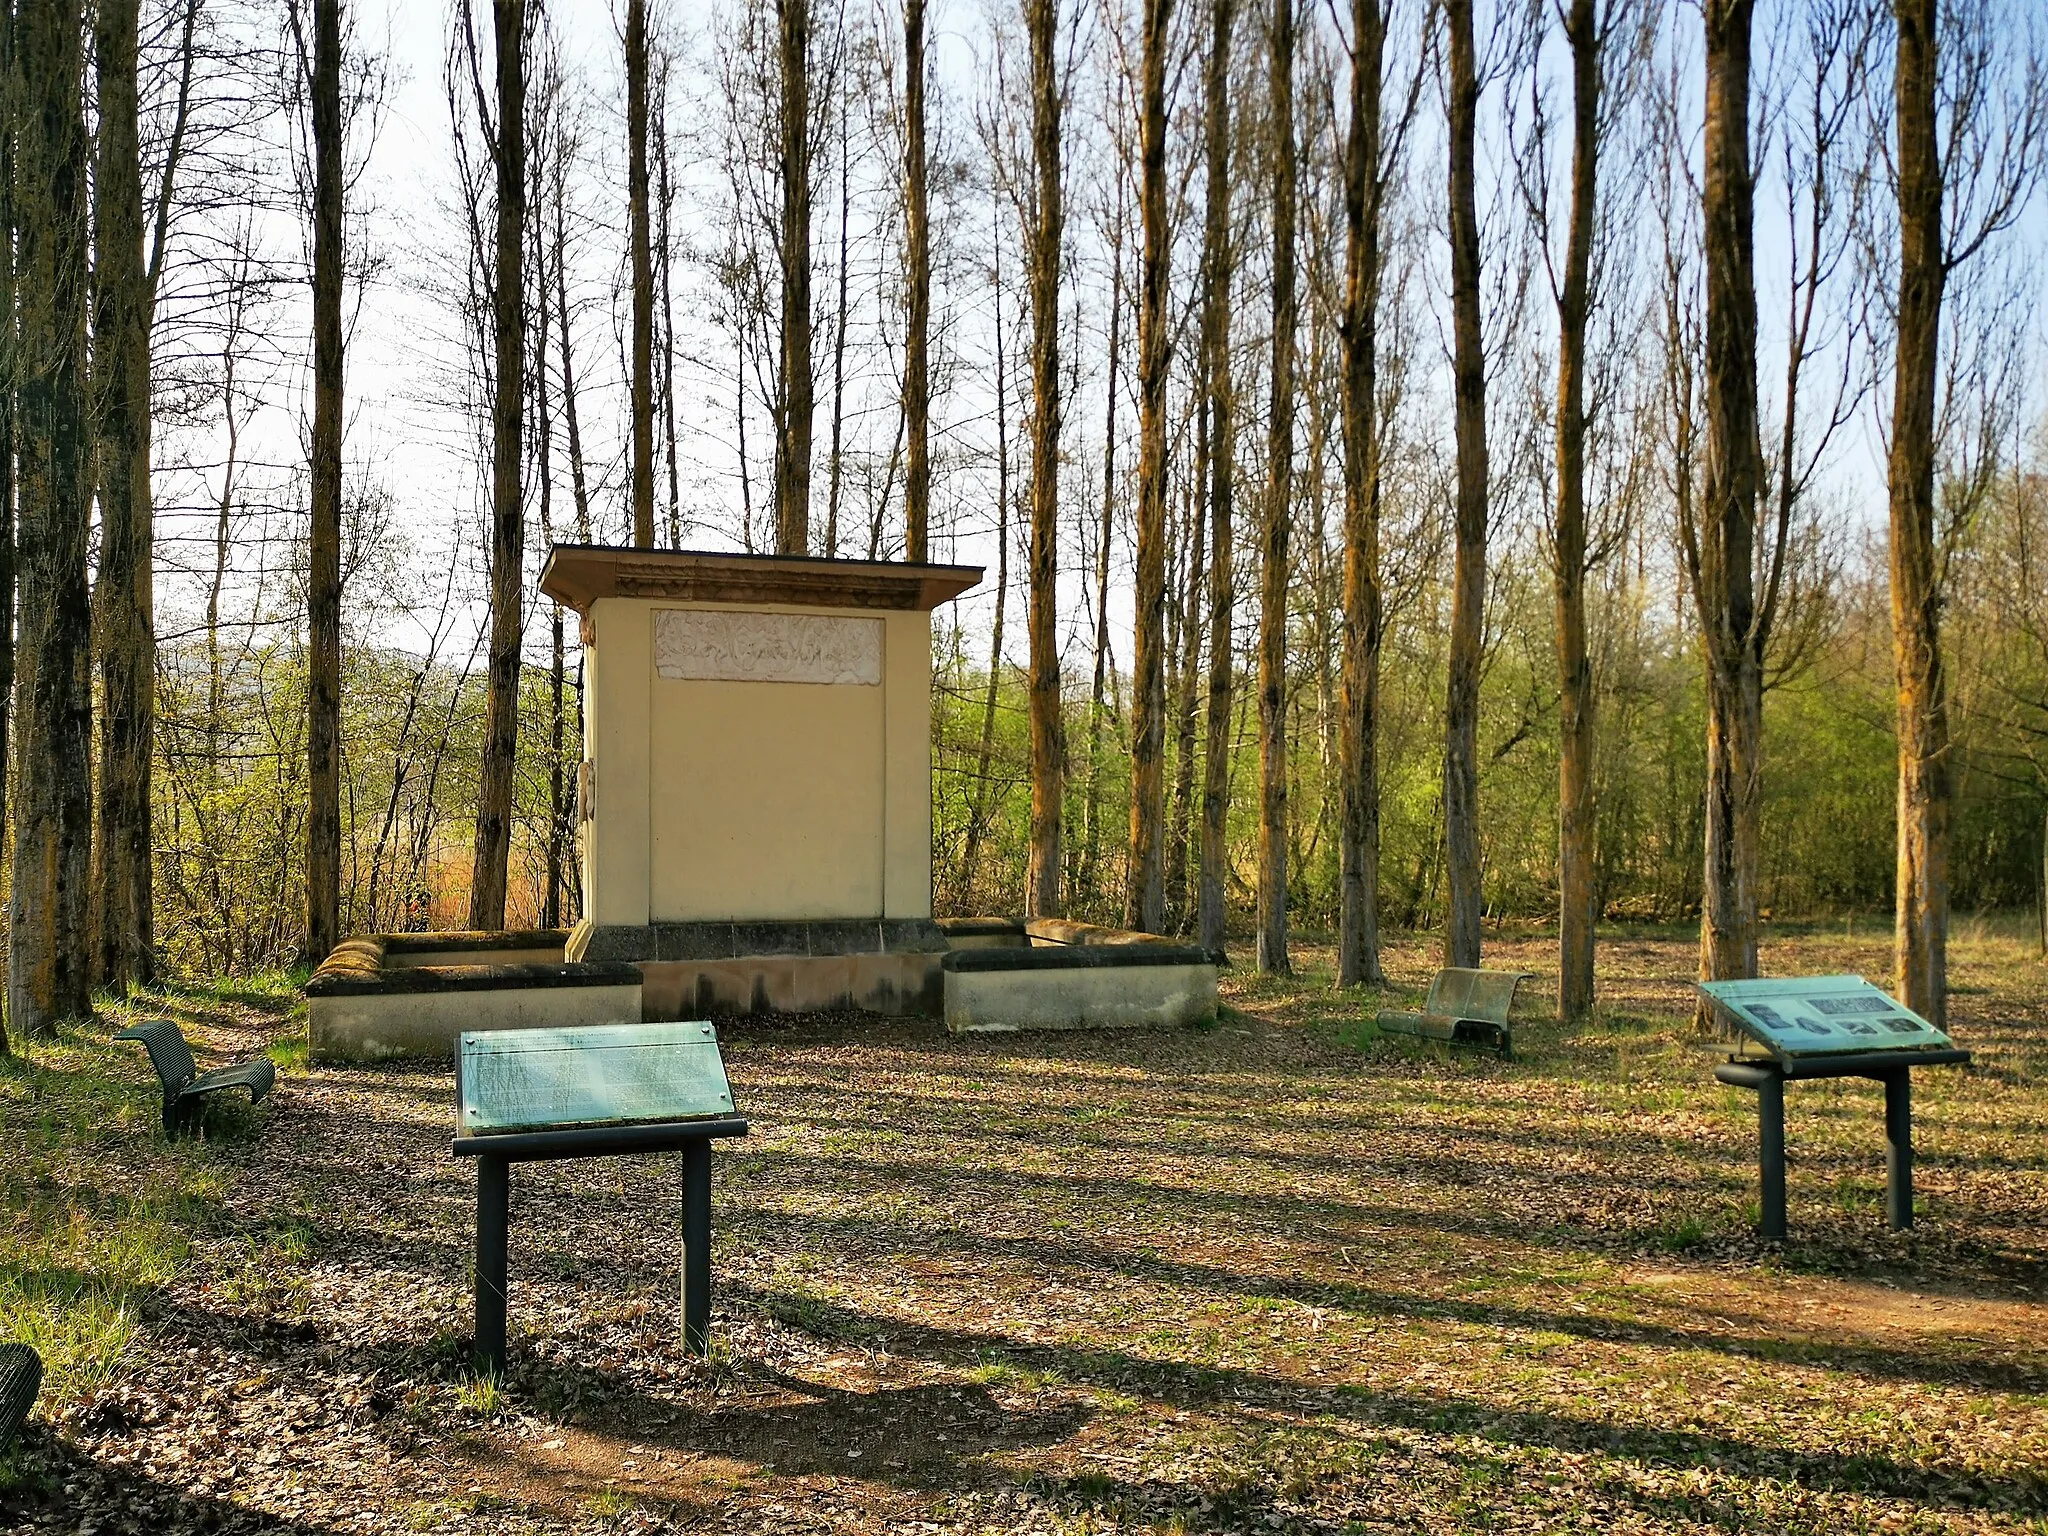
<point>578,484</point>
<point>668,323</point>
<point>49,970</point>
<point>642,368</point>
<point>508,528</point>
<point>1468,582</point>
<point>1145,900</point>
<point>323,581</point>
<point>1278,514</point>
<point>1091,809</point>
<point>126,604</point>
<point>544,473</point>
<point>1048,727</point>
<point>976,821</point>
<point>1221,442</point>
<point>1358,858</point>
<point>10,384</point>
<point>917,383</point>
<point>1577,903</point>
<point>1725,588</point>
<point>839,339</point>
<point>1187,716</point>
<point>796,396</point>
<point>1923,808</point>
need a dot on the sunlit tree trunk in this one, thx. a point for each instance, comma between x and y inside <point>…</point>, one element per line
<point>1725,586</point>
<point>1921,890</point>
<point>508,527</point>
<point>1145,901</point>
<point>1091,806</point>
<point>1577,907</point>
<point>1277,514</point>
<point>1221,442</point>
<point>48,970</point>
<point>126,606</point>
<point>1468,579</point>
<point>641,383</point>
<point>1044,239</point>
<point>917,384</point>
<point>9,384</point>
<point>798,386</point>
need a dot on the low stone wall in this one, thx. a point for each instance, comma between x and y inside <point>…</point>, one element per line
<point>1063,975</point>
<point>388,995</point>
<point>872,982</point>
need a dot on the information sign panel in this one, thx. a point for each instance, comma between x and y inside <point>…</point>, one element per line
<point>1821,1015</point>
<point>529,1079</point>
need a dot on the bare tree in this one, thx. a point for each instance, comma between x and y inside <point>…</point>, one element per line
<point>10,384</point>
<point>1371,153</point>
<point>1720,552</point>
<point>507,139</point>
<point>1217,440</point>
<point>1277,516</point>
<point>48,963</point>
<point>127,646</point>
<point>1955,192</point>
<point>1044,240</point>
<point>1145,904</point>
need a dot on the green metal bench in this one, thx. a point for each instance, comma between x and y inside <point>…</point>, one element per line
<point>21,1377</point>
<point>184,1084</point>
<point>1465,1007</point>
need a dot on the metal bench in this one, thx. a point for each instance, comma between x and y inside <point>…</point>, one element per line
<point>1465,1007</point>
<point>21,1377</point>
<point>184,1084</point>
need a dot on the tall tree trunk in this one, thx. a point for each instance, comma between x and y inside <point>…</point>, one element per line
<point>126,579</point>
<point>666,199</point>
<point>1577,904</point>
<point>578,483</point>
<point>641,383</point>
<point>1725,585</point>
<point>10,383</point>
<point>1278,514</point>
<point>1145,901</point>
<point>323,579</point>
<point>1048,727</point>
<point>796,395</point>
<point>1358,843</point>
<point>842,279</point>
<point>1921,890</point>
<point>1186,716</point>
<point>977,820</point>
<point>1220,441</point>
<point>49,971</point>
<point>1468,582</point>
<point>917,383</point>
<point>544,474</point>
<point>508,527</point>
<point>1091,808</point>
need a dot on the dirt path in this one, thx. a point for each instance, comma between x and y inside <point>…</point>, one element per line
<point>1244,1280</point>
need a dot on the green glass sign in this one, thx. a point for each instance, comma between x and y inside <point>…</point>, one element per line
<point>1821,1015</point>
<point>604,1074</point>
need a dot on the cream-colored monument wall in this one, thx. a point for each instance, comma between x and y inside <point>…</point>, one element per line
<point>765,762</point>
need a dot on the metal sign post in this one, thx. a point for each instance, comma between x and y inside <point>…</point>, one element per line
<point>537,1095</point>
<point>1827,1026</point>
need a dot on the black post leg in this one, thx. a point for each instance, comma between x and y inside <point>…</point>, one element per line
<point>1770,1113</point>
<point>493,1210</point>
<point>1898,1157</point>
<point>697,1247</point>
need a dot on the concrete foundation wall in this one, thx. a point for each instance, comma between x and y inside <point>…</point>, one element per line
<point>1090,997</point>
<point>874,983</point>
<point>366,1027</point>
